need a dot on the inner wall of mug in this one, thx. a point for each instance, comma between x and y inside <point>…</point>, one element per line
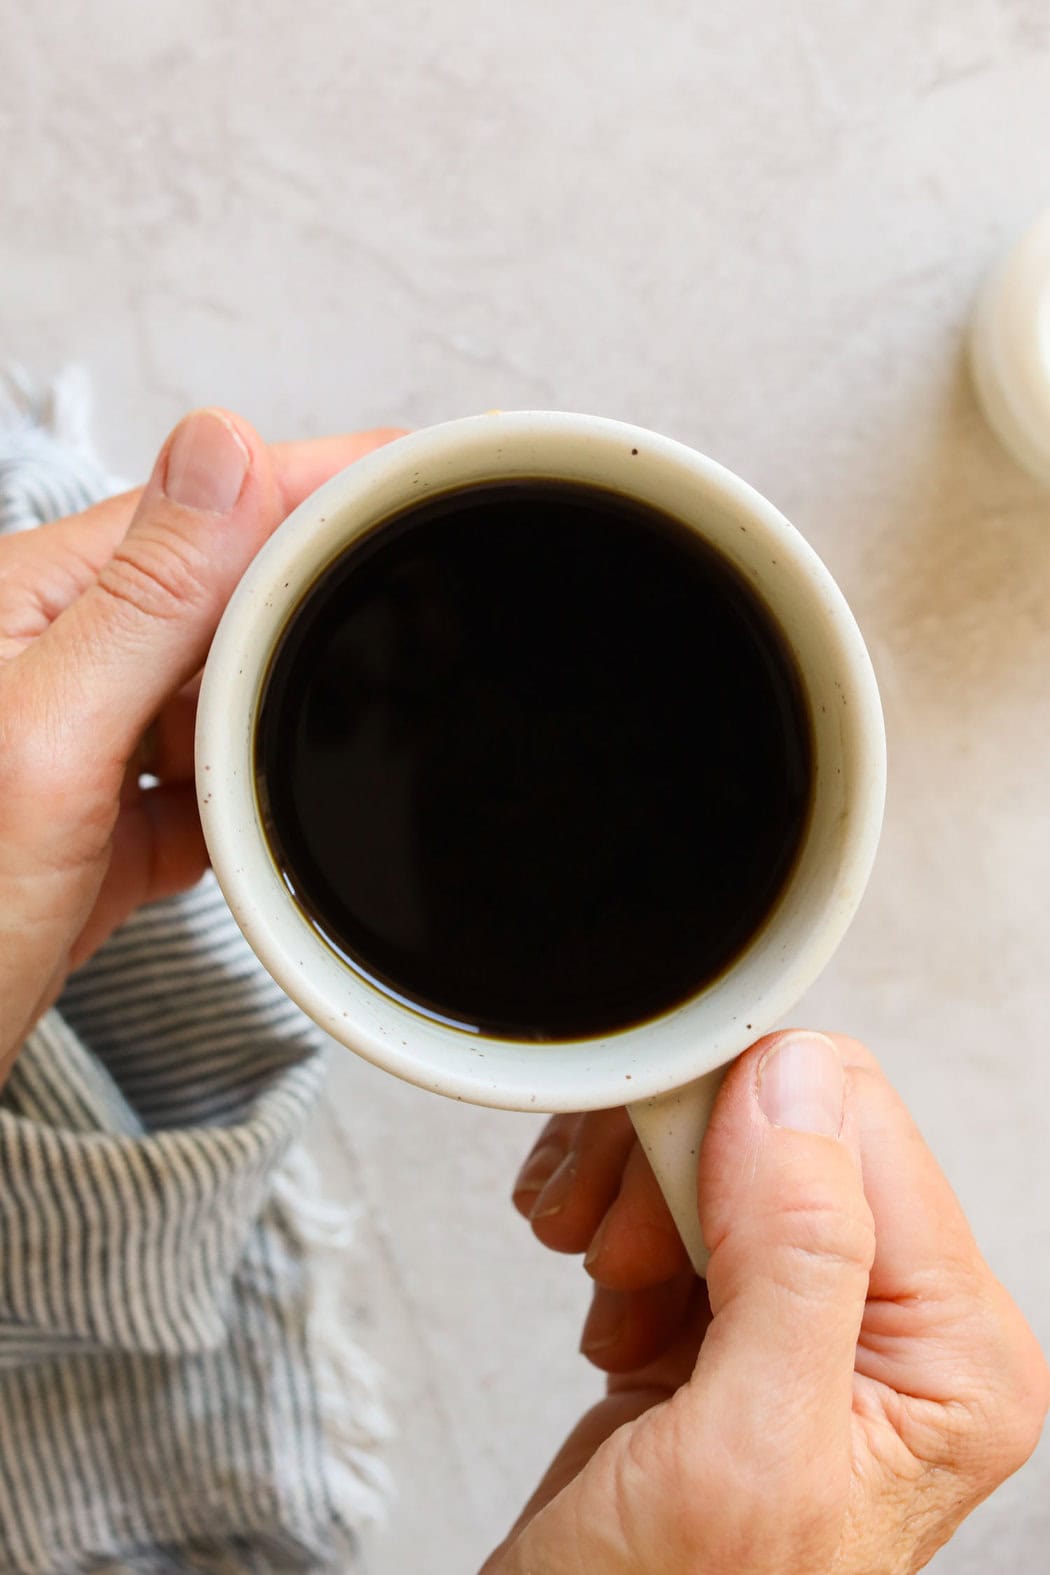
<point>830,871</point>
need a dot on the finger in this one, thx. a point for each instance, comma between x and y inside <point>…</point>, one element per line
<point>899,1168</point>
<point>73,548</point>
<point>933,1301</point>
<point>626,1330</point>
<point>672,1360</point>
<point>594,1428</point>
<point>171,736</point>
<point>637,1243</point>
<point>791,1235</point>
<point>63,557</point>
<point>567,1210</point>
<point>548,1151</point>
<point>43,571</point>
<point>629,1395</point>
<point>304,466</point>
<point>108,664</point>
<point>157,850</point>
<point>165,752</point>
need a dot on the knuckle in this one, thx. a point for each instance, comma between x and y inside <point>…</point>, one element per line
<point>822,1230</point>
<point>1020,1411</point>
<point>995,1424</point>
<point>156,576</point>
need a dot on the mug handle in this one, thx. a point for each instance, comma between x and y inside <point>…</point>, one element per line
<point>670,1128</point>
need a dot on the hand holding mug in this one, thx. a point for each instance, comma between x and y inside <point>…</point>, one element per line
<point>850,1383</point>
<point>105,617</point>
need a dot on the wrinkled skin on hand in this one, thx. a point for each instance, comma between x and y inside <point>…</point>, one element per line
<point>105,619</point>
<point>850,1383</point>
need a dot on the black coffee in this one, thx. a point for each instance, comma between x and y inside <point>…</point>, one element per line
<point>534,759</point>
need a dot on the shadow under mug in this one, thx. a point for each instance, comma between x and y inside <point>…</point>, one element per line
<point>666,1070</point>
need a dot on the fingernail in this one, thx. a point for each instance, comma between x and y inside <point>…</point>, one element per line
<point>593,1252</point>
<point>604,1321</point>
<point>552,1198</point>
<point>538,1168</point>
<point>207,463</point>
<point>801,1084</point>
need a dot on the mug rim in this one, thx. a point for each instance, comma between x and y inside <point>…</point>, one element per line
<point>566,1075</point>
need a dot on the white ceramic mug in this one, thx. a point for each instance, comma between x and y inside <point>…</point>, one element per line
<point>667,1070</point>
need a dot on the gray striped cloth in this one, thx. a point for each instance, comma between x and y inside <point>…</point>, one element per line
<point>172,1398</point>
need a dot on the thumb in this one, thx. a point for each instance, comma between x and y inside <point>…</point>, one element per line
<point>143,628</point>
<point>792,1241</point>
